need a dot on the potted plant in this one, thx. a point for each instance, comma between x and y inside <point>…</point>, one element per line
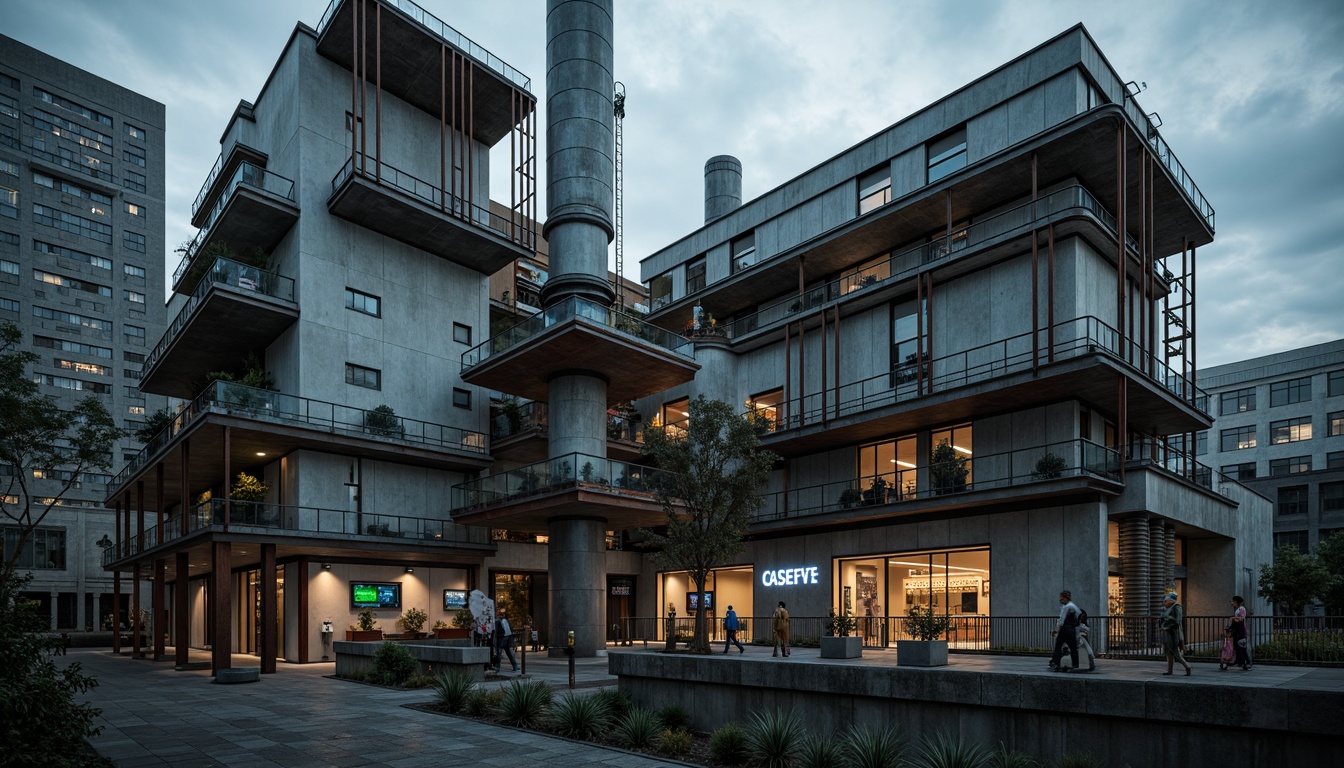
<point>849,497</point>
<point>248,494</point>
<point>867,281</point>
<point>1048,467</point>
<point>586,473</point>
<point>876,492</point>
<point>947,469</point>
<point>365,629</point>
<point>383,421</point>
<point>445,631</point>
<point>839,641</point>
<point>412,622</point>
<point>927,649</point>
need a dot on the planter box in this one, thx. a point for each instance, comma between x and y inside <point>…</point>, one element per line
<point>841,647</point>
<point>452,633</point>
<point>364,635</point>
<point>921,653</point>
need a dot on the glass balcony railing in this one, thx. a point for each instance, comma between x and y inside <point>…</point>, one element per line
<point>1072,338</point>
<point>296,519</point>
<point>246,175</point>
<point>1069,458</point>
<point>223,272</point>
<point>436,27</point>
<point>388,176</point>
<point>556,474</point>
<point>575,307</point>
<point>517,419</point>
<point>279,408</point>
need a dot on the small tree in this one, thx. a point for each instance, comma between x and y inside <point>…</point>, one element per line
<point>155,423</point>
<point>248,488</point>
<point>709,489</point>
<point>1294,579</point>
<point>36,435</point>
<point>1330,553</point>
<point>947,469</point>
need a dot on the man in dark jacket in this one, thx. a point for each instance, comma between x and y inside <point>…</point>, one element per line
<point>730,626</point>
<point>1066,631</point>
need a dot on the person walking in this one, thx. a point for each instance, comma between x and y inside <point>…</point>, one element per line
<point>1066,631</point>
<point>1082,631</point>
<point>504,643</point>
<point>780,624</point>
<point>1172,624</point>
<point>1241,639</point>
<point>730,626</point>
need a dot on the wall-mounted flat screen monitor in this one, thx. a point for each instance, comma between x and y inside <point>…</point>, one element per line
<point>692,601</point>
<point>375,595</point>
<point>453,599</point>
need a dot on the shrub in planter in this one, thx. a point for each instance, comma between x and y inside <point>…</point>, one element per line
<point>413,620</point>
<point>394,664</point>
<point>452,689</point>
<point>463,618</point>
<point>923,624</point>
<point>481,703</point>
<point>1048,467</point>
<point>674,743</point>
<point>383,421</point>
<point>367,622</point>
<point>849,497</point>
<point>774,737</point>
<point>947,469</point>
<point>639,728</point>
<point>675,717</point>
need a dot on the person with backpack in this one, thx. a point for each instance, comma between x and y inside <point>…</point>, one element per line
<point>1066,632</point>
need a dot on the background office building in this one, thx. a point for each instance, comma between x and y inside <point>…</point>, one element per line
<point>1279,430</point>
<point>81,255</point>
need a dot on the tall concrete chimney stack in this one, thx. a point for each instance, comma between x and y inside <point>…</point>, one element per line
<point>723,186</point>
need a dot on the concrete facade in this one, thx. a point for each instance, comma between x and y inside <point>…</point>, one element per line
<point>81,249</point>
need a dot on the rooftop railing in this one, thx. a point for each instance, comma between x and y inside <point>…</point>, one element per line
<point>1168,158</point>
<point>223,272</point>
<point>558,473</point>
<point>575,307</point>
<point>1072,338</point>
<point>248,175</point>
<point>279,408</point>
<point>265,516</point>
<point>436,27</point>
<point>1009,469</point>
<point>389,176</point>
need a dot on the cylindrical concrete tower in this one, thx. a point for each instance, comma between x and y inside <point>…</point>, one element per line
<point>723,186</point>
<point>580,174</point>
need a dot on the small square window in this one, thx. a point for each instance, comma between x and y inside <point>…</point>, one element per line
<point>130,270</point>
<point>363,302</point>
<point>462,333</point>
<point>359,376</point>
<point>461,398</point>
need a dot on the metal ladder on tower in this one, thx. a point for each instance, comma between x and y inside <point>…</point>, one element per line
<point>618,100</point>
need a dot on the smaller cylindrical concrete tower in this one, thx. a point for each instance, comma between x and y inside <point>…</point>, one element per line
<point>723,186</point>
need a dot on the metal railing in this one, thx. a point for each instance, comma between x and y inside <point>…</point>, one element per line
<point>436,27</point>
<point>568,309</point>
<point>227,397</point>
<point>571,470</point>
<point>1034,464</point>
<point>209,182</point>
<point>1168,158</point>
<point>385,175</point>
<point>300,519</point>
<point>248,175</point>
<point>535,417</point>
<point>223,272</point>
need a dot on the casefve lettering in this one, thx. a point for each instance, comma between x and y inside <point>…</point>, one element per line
<point>788,577</point>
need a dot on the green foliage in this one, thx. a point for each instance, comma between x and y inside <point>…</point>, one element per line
<point>709,489</point>
<point>923,624</point>
<point>155,423</point>
<point>1303,645</point>
<point>839,624</point>
<point>1079,760</point>
<point>675,717</point>
<point>358,675</point>
<point>819,752</point>
<point>383,421</point>
<point>248,488</point>
<point>393,664</point>
<point>413,620</point>
<point>869,747</point>
<point>1294,579</point>
<point>420,681</point>
<point>463,618</point>
<point>637,728</point>
<point>367,621</point>
<point>1330,553</point>
<point>615,701</point>
<point>1048,467</point>
<point>947,469</point>
<point>579,717</point>
<point>674,743</point>
<point>513,599</point>
<point>774,737</point>
<point>728,745</point>
<point>41,723</point>
<point>949,750</point>
<point>1007,758</point>
<point>481,703</point>
<point>37,434</point>
<point>452,689</point>
<point>524,703</point>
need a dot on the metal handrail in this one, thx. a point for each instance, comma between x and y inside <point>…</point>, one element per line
<point>447,34</point>
<point>238,399</point>
<point>209,182</point>
<point>246,174</point>
<point>302,519</point>
<point>1008,469</point>
<point>223,272</point>
<point>1168,158</point>
<point>556,473</point>
<point>570,308</point>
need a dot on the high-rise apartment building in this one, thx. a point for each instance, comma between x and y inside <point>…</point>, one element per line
<point>81,263</point>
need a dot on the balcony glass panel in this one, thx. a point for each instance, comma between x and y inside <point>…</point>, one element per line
<point>559,473</point>
<point>246,174</point>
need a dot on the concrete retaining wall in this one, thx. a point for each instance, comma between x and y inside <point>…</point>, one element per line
<point>435,656</point>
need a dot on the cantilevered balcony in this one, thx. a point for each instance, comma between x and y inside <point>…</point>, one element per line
<point>215,182</point>
<point>312,532</point>
<point>254,209</point>
<point>235,309</point>
<point>263,425</point>
<point>518,433</point>
<point>403,51</point>
<point>1076,359</point>
<point>379,197</point>
<point>636,358</point>
<point>524,499</point>
<point>998,480</point>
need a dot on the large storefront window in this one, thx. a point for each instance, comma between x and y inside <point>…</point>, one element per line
<point>725,587</point>
<point>879,591</point>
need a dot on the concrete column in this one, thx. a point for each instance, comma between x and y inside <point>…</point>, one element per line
<point>578,416</point>
<point>1159,570</point>
<point>54,612</point>
<point>578,568</point>
<point>181,629</point>
<point>1169,547</point>
<point>1134,559</point>
<point>97,611</point>
<point>723,186</point>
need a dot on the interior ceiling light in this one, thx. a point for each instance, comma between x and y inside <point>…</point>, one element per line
<point>261,453</point>
<point>963,450</point>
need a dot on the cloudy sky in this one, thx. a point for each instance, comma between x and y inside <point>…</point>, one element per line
<point>1251,95</point>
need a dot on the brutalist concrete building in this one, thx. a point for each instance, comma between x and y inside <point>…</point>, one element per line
<point>81,253</point>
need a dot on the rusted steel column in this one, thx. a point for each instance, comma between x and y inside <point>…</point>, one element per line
<point>378,91</point>
<point>221,605</point>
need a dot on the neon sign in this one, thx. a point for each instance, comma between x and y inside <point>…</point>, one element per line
<point>788,577</point>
